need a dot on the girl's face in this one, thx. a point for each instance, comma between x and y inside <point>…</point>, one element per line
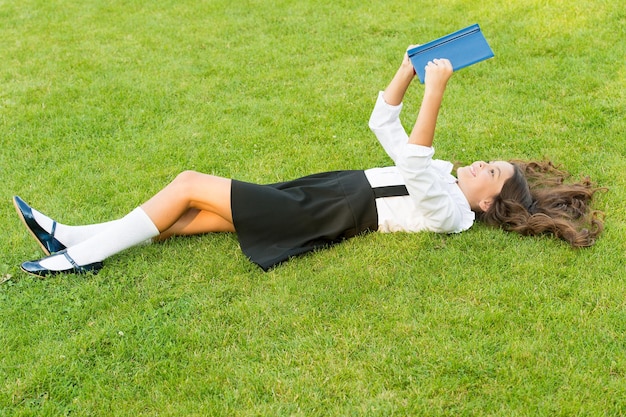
<point>482,181</point>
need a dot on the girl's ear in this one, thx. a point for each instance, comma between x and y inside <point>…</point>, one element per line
<point>485,204</point>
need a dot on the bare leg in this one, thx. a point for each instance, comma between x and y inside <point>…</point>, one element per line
<point>195,222</point>
<point>192,203</point>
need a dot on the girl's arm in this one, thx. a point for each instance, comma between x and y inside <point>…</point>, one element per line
<point>438,72</point>
<point>385,122</point>
<point>394,93</point>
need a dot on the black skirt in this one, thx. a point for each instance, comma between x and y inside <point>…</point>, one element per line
<point>277,221</point>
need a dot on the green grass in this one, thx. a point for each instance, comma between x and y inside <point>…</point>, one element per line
<point>102,103</point>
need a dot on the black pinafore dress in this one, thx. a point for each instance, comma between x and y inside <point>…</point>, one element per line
<point>275,222</point>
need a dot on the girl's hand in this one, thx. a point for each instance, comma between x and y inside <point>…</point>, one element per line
<point>438,72</point>
<point>406,62</point>
<point>394,93</point>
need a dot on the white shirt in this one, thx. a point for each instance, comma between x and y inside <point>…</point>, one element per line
<point>435,201</point>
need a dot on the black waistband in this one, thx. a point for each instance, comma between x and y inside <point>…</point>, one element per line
<point>390,191</point>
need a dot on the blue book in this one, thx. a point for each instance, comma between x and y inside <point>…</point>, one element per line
<point>463,48</point>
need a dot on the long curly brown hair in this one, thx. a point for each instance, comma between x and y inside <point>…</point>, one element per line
<point>537,200</point>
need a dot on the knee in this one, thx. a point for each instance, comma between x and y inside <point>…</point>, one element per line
<point>186,180</point>
<point>187,176</point>
<point>189,183</point>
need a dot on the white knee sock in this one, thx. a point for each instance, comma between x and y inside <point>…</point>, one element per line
<point>130,230</point>
<point>70,235</point>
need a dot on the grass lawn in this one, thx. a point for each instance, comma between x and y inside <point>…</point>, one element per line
<point>103,103</point>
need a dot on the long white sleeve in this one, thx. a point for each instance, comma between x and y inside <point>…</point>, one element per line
<point>439,204</point>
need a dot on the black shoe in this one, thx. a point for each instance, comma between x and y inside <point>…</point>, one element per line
<point>46,240</point>
<point>35,268</point>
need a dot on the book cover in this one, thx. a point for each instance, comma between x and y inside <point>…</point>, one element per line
<point>463,48</point>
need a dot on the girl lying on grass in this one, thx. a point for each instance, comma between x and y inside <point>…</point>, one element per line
<point>278,221</point>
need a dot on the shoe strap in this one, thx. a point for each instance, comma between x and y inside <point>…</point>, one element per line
<point>70,260</point>
<point>54,227</point>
